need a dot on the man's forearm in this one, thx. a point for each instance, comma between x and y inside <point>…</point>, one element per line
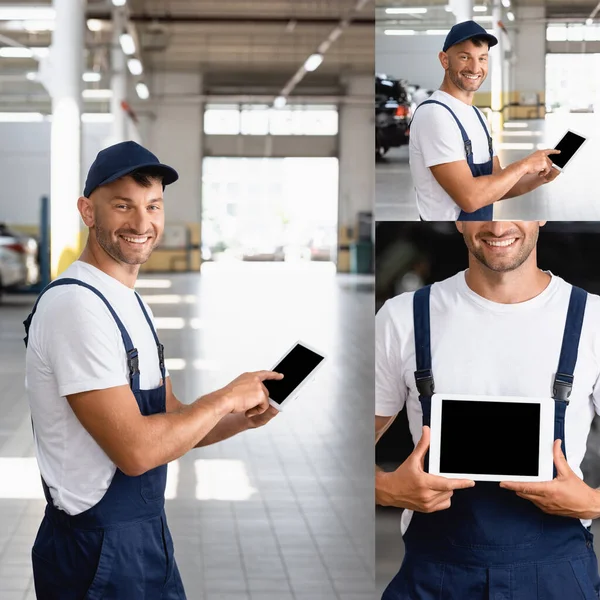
<point>168,436</point>
<point>227,427</point>
<point>487,189</point>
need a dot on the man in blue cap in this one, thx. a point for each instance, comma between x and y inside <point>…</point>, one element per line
<point>456,172</point>
<point>106,421</point>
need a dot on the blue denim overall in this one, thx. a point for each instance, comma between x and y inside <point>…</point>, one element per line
<point>486,213</point>
<point>121,548</point>
<point>491,544</point>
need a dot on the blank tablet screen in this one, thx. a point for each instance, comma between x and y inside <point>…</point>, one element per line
<point>490,438</point>
<point>570,143</point>
<point>296,366</point>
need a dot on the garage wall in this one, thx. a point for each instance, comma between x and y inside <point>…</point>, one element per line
<point>414,58</point>
<point>25,166</point>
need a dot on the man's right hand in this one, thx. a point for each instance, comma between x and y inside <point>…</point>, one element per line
<point>248,394</point>
<point>538,163</point>
<point>409,486</point>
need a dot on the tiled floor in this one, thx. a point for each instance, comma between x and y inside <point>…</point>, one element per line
<point>281,513</point>
<point>571,197</point>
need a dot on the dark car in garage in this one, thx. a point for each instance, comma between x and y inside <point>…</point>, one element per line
<point>392,114</point>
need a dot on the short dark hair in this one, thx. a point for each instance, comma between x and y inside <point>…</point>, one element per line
<point>146,176</point>
<point>479,40</point>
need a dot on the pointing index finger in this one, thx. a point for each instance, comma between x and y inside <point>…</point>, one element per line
<point>552,151</point>
<point>269,375</point>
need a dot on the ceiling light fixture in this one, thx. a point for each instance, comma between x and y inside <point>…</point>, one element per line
<point>589,21</point>
<point>15,52</point>
<point>480,8</point>
<point>506,3</point>
<point>510,15</point>
<point>142,91</point>
<point>135,66</point>
<point>27,13</point>
<point>127,43</point>
<point>313,61</point>
<point>279,102</point>
<point>437,31</point>
<point>92,76</point>
<point>119,2</point>
<point>95,24</point>
<point>399,32</point>
<point>405,11</point>
<point>95,94</point>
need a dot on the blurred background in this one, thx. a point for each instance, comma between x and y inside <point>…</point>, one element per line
<point>411,255</point>
<point>543,78</point>
<point>266,110</point>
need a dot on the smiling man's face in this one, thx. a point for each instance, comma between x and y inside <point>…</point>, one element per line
<point>500,246</point>
<point>466,64</point>
<point>128,219</point>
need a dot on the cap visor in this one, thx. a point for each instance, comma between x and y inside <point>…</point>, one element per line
<point>492,40</point>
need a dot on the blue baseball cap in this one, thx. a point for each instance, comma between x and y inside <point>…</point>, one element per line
<point>465,31</point>
<point>119,160</point>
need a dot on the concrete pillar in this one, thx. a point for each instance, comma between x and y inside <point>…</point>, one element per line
<point>462,9</point>
<point>497,63</point>
<point>118,81</point>
<point>66,60</point>
<point>530,50</point>
<point>356,161</point>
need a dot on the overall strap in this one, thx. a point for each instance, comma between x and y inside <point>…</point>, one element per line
<point>489,137</point>
<point>563,380</point>
<point>423,374</point>
<point>159,346</point>
<point>131,351</point>
<point>463,132</point>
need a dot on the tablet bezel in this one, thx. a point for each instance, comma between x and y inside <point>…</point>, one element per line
<point>585,139</point>
<point>546,459</point>
<point>294,393</point>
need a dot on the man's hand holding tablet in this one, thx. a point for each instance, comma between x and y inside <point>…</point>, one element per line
<point>409,486</point>
<point>566,495</point>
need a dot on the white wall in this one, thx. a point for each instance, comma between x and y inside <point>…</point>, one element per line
<point>415,58</point>
<point>25,166</point>
<point>530,49</point>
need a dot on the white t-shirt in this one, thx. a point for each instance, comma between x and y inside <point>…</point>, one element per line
<point>482,347</point>
<point>75,346</point>
<point>435,139</point>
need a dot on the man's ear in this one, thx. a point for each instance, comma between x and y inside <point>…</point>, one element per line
<point>86,210</point>
<point>459,226</point>
<point>443,60</point>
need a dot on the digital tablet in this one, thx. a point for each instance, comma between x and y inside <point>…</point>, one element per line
<point>568,146</point>
<point>492,438</point>
<point>298,366</point>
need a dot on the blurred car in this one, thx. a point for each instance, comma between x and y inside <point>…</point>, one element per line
<point>18,259</point>
<point>393,114</point>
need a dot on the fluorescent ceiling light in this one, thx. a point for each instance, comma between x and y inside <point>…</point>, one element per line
<point>127,43</point>
<point>135,66</point>
<point>32,76</point>
<point>92,77</point>
<point>437,31</point>
<point>15,52</point>
<point>97,118</point>
<point>26,13</point>
<point>279,102</point>
<point>399,32</point>
<point>96,94</point>
<point>515,125</point>
<point>589,21</point>
<point>506,3</point>
<point>119,2</point>
<point>510,15</point>
<point>24,117</point>
<point>313,61</point>
<point>142,91</point>
<point>480,8</point>
<point>31,26</point>
<point>95,24</point>
<point>405,11</point>
<point>485,18</point>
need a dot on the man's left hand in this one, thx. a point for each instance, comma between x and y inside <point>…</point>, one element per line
<point>566,495</point>
<point>262,419</point>
<point>551,176</point>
